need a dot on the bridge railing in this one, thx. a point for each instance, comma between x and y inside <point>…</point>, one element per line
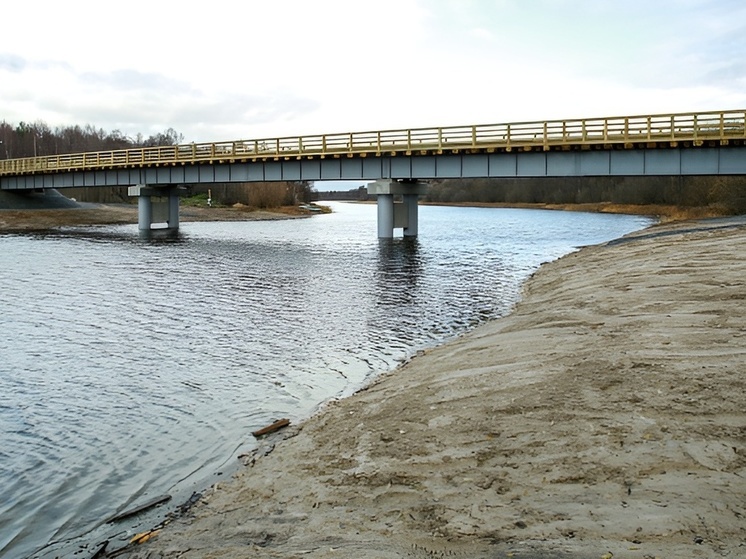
<point>629,131</point>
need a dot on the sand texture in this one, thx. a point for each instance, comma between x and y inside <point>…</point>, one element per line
<point>604,417</point>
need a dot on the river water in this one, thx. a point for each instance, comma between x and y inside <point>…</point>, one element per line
<point>131,369</point>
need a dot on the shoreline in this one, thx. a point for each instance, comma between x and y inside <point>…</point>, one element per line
<point>664,213</point>
<point>90,214</point>
<point>617,426</point>
<point>17,221</point>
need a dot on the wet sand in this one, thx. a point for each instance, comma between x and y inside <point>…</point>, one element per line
<point>604,417</point>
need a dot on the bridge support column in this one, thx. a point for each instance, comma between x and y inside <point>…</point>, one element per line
<point>157,205</point>
<point>385,204</point>
<point>144,213</point>
<point>173,209</point>
<point>393,215</point>
<point>410,207</point>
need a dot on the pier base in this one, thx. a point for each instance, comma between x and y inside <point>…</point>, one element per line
<point>394,215</point>
<point>157,206</point>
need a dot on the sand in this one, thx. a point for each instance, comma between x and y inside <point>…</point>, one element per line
<point>603,417</point>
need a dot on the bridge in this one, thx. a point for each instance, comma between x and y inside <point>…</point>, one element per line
<point>397,161</point>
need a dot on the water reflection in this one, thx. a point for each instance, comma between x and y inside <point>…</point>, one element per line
<point>399,270</point>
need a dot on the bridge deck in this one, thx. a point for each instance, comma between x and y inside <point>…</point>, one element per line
<point>650,131</point>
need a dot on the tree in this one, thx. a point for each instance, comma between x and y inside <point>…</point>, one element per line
<point>31,139</point>
<point>169,137</point>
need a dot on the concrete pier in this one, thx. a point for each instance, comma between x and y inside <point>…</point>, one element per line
<point>397,215</point>
<point>385,204</point>
<point>157,205</point>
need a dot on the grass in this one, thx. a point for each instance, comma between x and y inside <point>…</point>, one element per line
<point>665,213</point>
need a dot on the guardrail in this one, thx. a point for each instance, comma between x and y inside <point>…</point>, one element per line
<point>629,131</point>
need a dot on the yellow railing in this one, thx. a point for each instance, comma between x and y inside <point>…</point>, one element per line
<point>629,131</point>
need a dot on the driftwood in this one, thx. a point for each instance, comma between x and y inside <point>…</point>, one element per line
<point>138,509</point>
<point>279,424</point>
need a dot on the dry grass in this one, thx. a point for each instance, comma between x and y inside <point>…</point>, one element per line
<point>665,213</point>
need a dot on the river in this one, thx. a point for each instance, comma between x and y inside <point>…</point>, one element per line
<point>131,369</point>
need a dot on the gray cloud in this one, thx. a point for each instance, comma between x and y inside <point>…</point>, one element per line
<point>12,63</point>
<point>134,102</point>
<point>133,80</point>
<point>141,102</point>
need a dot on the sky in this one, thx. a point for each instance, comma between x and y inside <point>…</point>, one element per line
<point>250,69</point>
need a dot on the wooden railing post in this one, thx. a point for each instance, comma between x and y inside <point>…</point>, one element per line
<point>696,128</point>
<point>546,138</point>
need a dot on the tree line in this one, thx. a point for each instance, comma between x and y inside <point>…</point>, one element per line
<point>724,194</point>
<point>255,194</point>
<point>260,195</point>
<point>38,138</point>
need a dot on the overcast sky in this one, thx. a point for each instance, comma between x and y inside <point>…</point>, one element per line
<point>255,69</point>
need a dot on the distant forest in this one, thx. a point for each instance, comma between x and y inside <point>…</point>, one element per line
<point>722,194</point>
<point>38,138</point>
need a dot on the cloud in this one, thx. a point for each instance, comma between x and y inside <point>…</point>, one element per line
<point>144,102</point>
<point>12,63</point>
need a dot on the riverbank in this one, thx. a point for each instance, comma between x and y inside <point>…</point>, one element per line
<point>603,416</point>
<point>116,214</point>
<point>664,213</point>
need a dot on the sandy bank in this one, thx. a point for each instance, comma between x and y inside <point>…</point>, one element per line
<point>605,415</point>
<point>114,214</point>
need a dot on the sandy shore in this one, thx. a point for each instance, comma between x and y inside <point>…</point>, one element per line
<point>604,416</point>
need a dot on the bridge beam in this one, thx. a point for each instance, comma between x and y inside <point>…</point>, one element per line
<point>393,215</point>
<point>157,205</point>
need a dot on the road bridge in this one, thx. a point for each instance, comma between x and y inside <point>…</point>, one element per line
<point>397,161</point>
